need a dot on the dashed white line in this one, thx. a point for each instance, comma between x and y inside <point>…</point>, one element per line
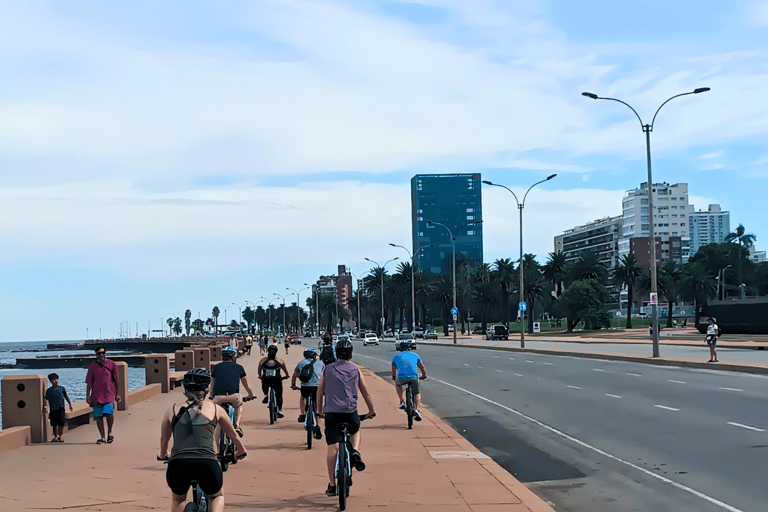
<point>512,358</point>
<point>676,381</point>
<point>612,396</point>
<point>466,364</point>
<point>732,389</point>
<point>597,370</point>
<point>746,426</point>
<point>634,374</point>
<point>574,387</point>
<point>549,363</point>
<point>667,408</point>
<point>518,375</point>
<point>527,361</point>
<point>499,371</point>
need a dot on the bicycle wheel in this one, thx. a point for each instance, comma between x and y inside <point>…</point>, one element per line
<point>272,406</point>
<point>342,476</point>
<point>191,507</point>
<point>310,426</point>
<point>409,405</point>
<point>223,451</point>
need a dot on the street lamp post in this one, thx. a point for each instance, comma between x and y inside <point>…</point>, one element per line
<point>453,241</point>
<point>520,207</point>
<point>298,307</point>
<point>721,281</point>
<point>648,128</point>
<point>269,312</point>
<point>359,319</point>
<point>382,289</point>
<point>413,281</point>
<point>241,311</point>
<point>283,299</point>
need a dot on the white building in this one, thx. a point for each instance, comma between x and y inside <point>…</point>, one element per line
<point>600,237</point>
<point>708,227</point>
<point>756,256</point>
<point>671,212</point>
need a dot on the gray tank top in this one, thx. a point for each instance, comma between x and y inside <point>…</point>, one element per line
<point>341,380</point>
<point>193,437</point>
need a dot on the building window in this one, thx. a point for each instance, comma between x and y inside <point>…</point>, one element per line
<point>470,210</point>
<point>643,201</point>
<point>470,217</point>
<point>470,232</point>
<point>644,227</point>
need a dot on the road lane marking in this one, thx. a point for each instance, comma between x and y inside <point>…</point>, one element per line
<point>499,371</point>
<point>549,363</point>
<point>612,396</point>
<point>597,450</point>
<point>746,426</point>
<point>676,381</point>
<point>574,387</point>
<point>466,364</point>
<point>527,361</point>
<point>667,408</point>
<point>634,374</point>
<point>732,389</point>
<point>597,370</point>
<point>512,358</point>
<point>518,375</point>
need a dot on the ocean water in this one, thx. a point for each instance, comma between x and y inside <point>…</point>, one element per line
<point>73,379</point>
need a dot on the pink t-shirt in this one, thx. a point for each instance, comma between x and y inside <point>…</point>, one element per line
<point>102,379</point>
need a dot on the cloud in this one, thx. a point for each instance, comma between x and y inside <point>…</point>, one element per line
<point>715,154</point>
<point>756,14</point>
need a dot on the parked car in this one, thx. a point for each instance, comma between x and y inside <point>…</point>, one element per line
<point>294,339</point>
<point>388,333</point>
<point>450,328</point>
<point>478,329</point>
<point>418,332</point>
<point>405,336</point>
<point>308,334</point>
<point>497,332</point>
<point>370,339</point>
<point>430,335</point>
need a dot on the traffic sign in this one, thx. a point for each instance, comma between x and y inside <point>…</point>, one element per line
<point>655,299</point>
<point>455,317</point>
<point>523,306</point>
<point>454,311</point>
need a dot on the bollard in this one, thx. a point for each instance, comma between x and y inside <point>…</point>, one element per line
<point>202,358</point>
<point>122,385</point>
<point>183,360</point>
<point>23,404</point>
<point>215,353</point>
<point>157,369</point>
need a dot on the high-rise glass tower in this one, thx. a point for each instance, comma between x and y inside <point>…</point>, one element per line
<point>453,200</point>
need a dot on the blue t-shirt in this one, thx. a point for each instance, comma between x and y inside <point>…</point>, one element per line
<point>55,396</point>
<point>407,365</point>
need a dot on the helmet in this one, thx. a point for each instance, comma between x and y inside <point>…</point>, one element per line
<point>309,353</point>
<point>228,352</point>
<point>196,379</point>
<point>272,350</point>
<point>403,345</point>
<point>344,348</point>
<point>327,340</point>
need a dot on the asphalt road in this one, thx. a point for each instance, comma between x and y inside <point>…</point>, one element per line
<point>595,435</point>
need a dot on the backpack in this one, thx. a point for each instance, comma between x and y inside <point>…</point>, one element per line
<point>306,373</point>
<point>327,355</point>
<point>717,331</point>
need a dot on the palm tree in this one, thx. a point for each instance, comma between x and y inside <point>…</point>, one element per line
<point>177,325</point>
<point>187,320</point>
<point>555,270</point>
<point>170,326</point>
<point>533,282</point>
<point>442,297</point>
<point>696,283</point>
<point>400,288</point>
<point>744,241</point>
<point>504,274</point>
<point>669,276</point>
<point>588,266</point>
<point>484,297</point>
<point>215,314</point>
<point>626,274</point>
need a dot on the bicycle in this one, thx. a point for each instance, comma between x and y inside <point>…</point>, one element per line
<point>199,501</point>
<point>409,407</point>
<point>272,403</point>
<point>310,421</point>
<point>343,469</point>
<point>226,446</point>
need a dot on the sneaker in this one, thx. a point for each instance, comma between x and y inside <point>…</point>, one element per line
<point>302,417</point>
<point>239,431</point>
<point>402,405</point>
<point>266,400</point>
<point>416,415</point>
<point>280,414</point>
<point>331,490</point>
<point>357,461</point>
<point>318,433</point>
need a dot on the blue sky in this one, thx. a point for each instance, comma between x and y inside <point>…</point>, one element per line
<point>160,157</point>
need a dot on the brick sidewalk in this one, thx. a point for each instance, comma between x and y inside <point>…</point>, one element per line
<point>428,468</point>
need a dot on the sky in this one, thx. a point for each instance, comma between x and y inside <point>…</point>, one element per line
<point>163,156</point>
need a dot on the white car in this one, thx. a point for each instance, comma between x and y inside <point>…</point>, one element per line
<point>370,339</point>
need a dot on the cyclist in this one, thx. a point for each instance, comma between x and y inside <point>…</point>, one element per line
<point>193,456</point>
<point>327,352</point>
<point>337,403</point>
<point>225,388</point>
<point>404,366</point>
<point>269,372</point>
<point>309,387</point>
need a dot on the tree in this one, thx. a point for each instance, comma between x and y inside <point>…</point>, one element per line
<point>669,278</point>
<point>504,274</point>
<point>170,325</point>
<point>484,296</point>
<point>533,282</point>
<point>442,297</point>
<point>588,266</point>
<point>187,320</point>
<point>555,269</point>
<point>696,284</point>
<point>744,241</point>
<point>625,275</point>
<point>585,300</point>
<point>215,312</point>
<point>177,326</point>
<point>249,316</point>
<point>198,326</point>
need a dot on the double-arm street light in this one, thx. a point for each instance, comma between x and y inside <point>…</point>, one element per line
<point>382,288</point>
<point>453,241</point>
<point>520,206</point>
<point>317,307</point>
<point>413,281</point>
<point>721,282</point>
<point>359,321</point>
<point>269,311</point>
<point>282,297</point>
<point>253,310</point>
<point>241,311</point>
<point>298,307</point>
<point>648,128</point>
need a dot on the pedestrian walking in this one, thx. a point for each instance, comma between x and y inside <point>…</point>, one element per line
<point>262,345</point>
<point>101,392</point>
<point>713,331</point>
<point>54,400</point>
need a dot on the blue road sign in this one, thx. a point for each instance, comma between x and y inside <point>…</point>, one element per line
<point>523,306</point>
<point>454,311</point>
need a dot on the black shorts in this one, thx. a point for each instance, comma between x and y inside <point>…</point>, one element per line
<point>334,419</point>
<point>309,390</point>
<point>57,417</point>
<point>181,472</point>
<point>711,340</point>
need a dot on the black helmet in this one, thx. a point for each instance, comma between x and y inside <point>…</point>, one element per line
<point>196,379</point>
<point>272,350</point>
<point>344,348</point>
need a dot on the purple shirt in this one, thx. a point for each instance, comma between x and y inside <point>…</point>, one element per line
<point>102,379</point>
<point>341,380</point>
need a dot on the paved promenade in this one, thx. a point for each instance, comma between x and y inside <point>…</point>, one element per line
<point>428,468</point>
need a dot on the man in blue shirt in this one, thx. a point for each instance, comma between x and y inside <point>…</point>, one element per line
<point>404,369</point>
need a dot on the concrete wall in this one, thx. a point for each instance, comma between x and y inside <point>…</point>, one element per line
<point>157,369</point>
<point>145,393</point>
<point>14,437</point>
<point>23,404</point>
